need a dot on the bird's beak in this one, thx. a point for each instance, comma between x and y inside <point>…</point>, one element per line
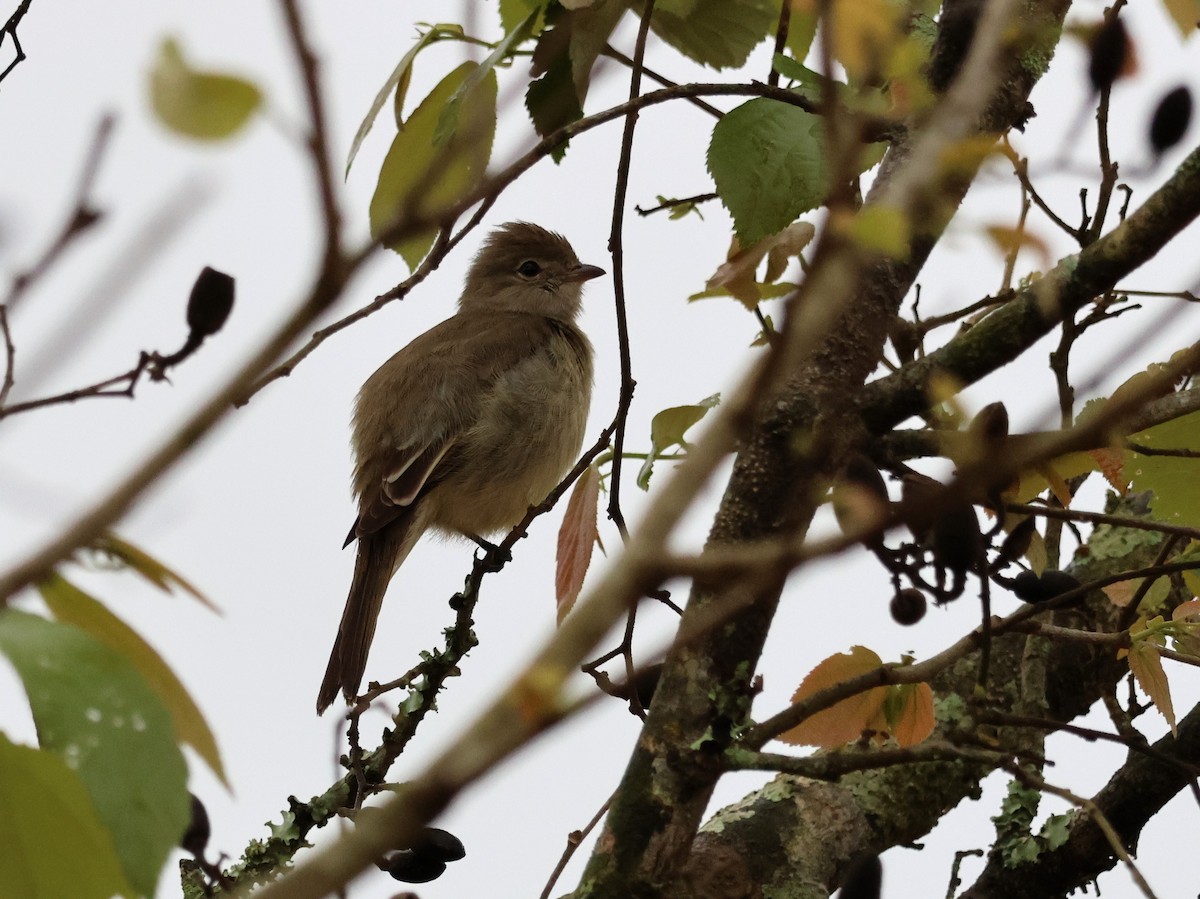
<point>584,273</point>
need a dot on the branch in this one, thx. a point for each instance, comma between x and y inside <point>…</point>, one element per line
<point>328,285</point>
<point>10,28</point>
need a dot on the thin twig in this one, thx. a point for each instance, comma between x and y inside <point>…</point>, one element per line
<point>574,840</point>
<point>82,216</point>
<point>10,28</point>
<point>617,248</point>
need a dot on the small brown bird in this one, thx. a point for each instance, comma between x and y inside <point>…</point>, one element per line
<point>469,425</point>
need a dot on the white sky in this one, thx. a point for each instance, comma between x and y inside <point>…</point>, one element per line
<point>256,515</point>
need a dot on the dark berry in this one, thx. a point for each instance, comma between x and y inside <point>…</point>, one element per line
<point>1171,119</point>
<point>908,606</point>
<point>210,303</point>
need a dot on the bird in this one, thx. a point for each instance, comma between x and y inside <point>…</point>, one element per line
<point>467,426</point>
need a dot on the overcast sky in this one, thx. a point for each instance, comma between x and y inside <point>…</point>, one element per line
<point>256,515</point>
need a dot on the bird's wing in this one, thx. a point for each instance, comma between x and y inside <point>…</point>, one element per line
<point>427,409</point>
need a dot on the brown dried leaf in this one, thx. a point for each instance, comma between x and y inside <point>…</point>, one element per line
<point>910,713</point>
<point>737,273</point>
<point>1112,465</point>
<point>844,721</point>
<point>576,538</point>
<point>1146,666</point>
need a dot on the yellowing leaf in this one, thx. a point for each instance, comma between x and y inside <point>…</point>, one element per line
<point>667,429</point>
<point>426,172</point>
<point>576,538</point>
<point>1185,14</point>
<point>963,157</point>
<point>845,721</point>
<point>54,842</point>
<point>1058,484</point>
<point>398,81</point>
<point>883,229</point>
<point>70,605</point>
<point>1121,594</point>
<point>1175,480</point>
<point>737,274</point>
<point>1146,666</point>
<point>202,105</point>
<point>1011,241</point>
<point>148,567</point>
<point>865,35</point>
<point>909,710</point>
<point>1061,469</point>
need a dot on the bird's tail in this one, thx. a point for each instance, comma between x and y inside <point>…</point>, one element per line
<point>379,555</point>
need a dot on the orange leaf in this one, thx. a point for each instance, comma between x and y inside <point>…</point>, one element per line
<point>1146,666</point>
<point>910,713</point>
<point>846,720</point>
<point>1112,465</point>
<point>1121,593</point>
<point>576,538</point>
<point>1186,610</point>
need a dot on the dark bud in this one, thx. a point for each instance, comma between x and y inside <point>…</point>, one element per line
<point>908,606</point>
<point>864,881</point>
<point>919,496</point>
<point>210,303</point>
<point>195,838</point>
<point>990,426</point>
<point>426,859</point>
<point>1016,544</point>
<point>1171,119</point>
<point>1110,54</point>
<point>860,496</point>
<point>1052,584</point>
<point>956,539</point>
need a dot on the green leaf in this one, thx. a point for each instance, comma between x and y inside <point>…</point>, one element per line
<point>92,707</point>
<point>1174,480</point>
<point>399,81</point>
<point>717,33</point>
<point>563,58</point>
<point>552,103</point>
<point>802,28</point>
<point>766,160</point>
<point>447,124</point>
<point>202,105</point>
<point>420,179</point>
<point>667,429</point>
<point>513,11</point>
<point>70,605</point>
<point>54,845</point>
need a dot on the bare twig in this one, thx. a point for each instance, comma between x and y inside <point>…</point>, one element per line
<point>82,216</point>
<point>10,28</point>
<point>617,247</point>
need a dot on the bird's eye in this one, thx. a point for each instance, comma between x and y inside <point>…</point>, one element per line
<point>529,269</point>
